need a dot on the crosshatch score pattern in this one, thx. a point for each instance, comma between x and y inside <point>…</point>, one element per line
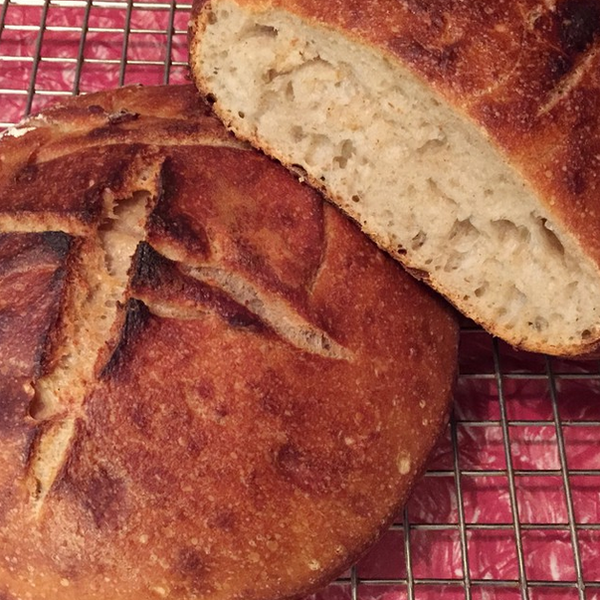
<point>510,506</point>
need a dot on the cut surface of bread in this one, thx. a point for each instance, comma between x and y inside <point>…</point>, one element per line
<point>446,133</point>
<point>212,384</point>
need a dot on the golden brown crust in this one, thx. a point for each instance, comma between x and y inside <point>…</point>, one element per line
<point>266,397</point>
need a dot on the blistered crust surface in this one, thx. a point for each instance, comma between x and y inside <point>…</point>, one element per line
<point>252,386</point>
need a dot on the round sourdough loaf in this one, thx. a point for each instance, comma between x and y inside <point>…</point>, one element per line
<point>212,385</point>
<point>463,136</point>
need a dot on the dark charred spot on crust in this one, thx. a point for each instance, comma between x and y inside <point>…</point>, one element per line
<point>123,116</point>
<point>33,269</point>
<point>288,458</point>
<point>141,415</point>
<point>228,309</point>
<point>569,33</point>
<point>149,268</point>
<point>579,24</point>
<point>221,411</point>
<point>137,316</point>
<point>294,467</point>
<point>193,565</point>
<point>239,316</point>
<point>205,388</point>
<point>211,99</point>
<point>92,207</point>
<point>558,65</point>
<point>151,271</point>
<point>58,241</point>
<point>448,57</point>
<point>178,226</point>
<point>190,560</point>
<point>103,495</point>
<point>27,174</point>
<point>168,182</point>
<point>224,520</point>
<point>432,59</point>
<point>96,109</point>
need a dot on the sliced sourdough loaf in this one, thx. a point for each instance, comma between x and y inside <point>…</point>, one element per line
<point>212,385</point>
<point>463,137</point>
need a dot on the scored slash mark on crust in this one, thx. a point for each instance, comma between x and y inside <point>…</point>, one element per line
<point>96,285</point>
<point>577,27</point>
<point>111,267</point>
<point>289,325</point>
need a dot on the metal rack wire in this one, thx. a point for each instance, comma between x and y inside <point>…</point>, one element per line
<point>510,507</point>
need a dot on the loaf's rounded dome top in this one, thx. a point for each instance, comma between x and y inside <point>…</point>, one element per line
<point>212,385</point>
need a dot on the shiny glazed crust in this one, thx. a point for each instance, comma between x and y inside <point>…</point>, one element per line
<point>252,386</point>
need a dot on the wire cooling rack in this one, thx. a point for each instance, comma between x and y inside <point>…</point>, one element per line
<point>510,506</point>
